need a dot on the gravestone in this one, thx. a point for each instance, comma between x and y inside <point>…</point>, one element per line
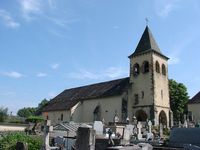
<point>149,125</point>
<point>182,136</point>
<point>47,129</point>
<point>127,120</point>
<point>145,146</point>
<point>116,118</point>
<point>85,139</point>
<point>128,131</point>
<point>98,127</point>
<point>139,126</point>
<point>179,124</point>
<point>59,141</point>
<point>134,120</point>
<point>21,146</point>
<point>161,130</point>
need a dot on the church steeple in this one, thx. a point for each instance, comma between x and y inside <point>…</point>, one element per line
<point>146,43</point>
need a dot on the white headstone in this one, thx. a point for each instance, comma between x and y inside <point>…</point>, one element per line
<point>150,137</point>
<point>185,125</point>
<point>98,127</point>
<point>139,126</point>
<point>128,131</point>
<point>116,119</point>
<point>161,130</point>
<point>149,125</point>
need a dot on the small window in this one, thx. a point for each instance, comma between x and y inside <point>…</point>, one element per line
<point>142,94</point>
<point>61,117</point>
<point>163,69</point>
<point>145,66</point>
<point>162,94</point>
<point>136,99</point>
<point>136,69</point>
<point>157,67</point>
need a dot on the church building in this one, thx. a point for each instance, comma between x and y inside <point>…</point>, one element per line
<point>144,94</point>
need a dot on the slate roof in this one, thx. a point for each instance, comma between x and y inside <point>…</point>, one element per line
<point>147,43</point>
<point>70,97</point>
<point>195,99</point>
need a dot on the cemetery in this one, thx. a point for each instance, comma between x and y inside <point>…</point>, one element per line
<point>134,135</point>
<point>117,136</point>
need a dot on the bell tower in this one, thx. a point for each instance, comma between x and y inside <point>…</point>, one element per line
<point>148,94</point>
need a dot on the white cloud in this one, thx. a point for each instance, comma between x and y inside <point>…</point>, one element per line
<point>110,73</point>
<point>41,74</point>
<point>8,20</point>
<point>173,60</point>
<point>55,66</point>
<point>114,72</point>
<point>12,74</point>
<point>83,74</point>
<point>165,7</point>
<point>30,7</point>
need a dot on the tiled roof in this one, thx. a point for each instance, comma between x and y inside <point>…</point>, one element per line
<point>195,99</point>
<point>70,97</point>
<point>147,43</point>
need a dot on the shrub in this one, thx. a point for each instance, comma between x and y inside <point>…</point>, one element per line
<point>8,142</point>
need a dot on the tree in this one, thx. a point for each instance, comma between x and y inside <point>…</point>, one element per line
<point>40,106</point>
<point>42,103</point>
<point>26,112</point>
<point>178,98</point>
<point>3,114</point>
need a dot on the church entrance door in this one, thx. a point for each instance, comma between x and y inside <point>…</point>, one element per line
<point>141,115</point>
<point>162,118</point>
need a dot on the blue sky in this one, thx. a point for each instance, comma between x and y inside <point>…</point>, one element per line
<point>50,45</point>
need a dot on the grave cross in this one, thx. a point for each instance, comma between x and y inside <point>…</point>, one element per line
<point>150,125</point>
<point>139,126</point>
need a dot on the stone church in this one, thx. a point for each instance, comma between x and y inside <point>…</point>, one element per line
<point>144,94</point>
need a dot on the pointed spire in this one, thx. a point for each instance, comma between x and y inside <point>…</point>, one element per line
<point>146,43</point>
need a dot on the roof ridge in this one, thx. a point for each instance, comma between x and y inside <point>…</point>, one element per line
<point>93,84</point>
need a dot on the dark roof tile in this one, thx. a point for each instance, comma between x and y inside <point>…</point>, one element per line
<point>147,43</point>
<point>70,97</point>
<point>195,99</point>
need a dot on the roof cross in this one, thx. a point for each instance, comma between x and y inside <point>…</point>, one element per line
<point>147,21</point>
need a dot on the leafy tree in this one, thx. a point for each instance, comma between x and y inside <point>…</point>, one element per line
<point>26,112</point>
<point>3,114</point>
<point>178,98</point>
<point>42,103</point>
<point>40,106</point>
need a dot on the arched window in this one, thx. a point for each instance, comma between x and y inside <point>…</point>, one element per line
<point>157,67</point>
<point>145,66</point>
<point>141,115</point>
<point>162,118</point>
<point>136,69</point>
<point>163,69</point>
<point>97,113</point>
